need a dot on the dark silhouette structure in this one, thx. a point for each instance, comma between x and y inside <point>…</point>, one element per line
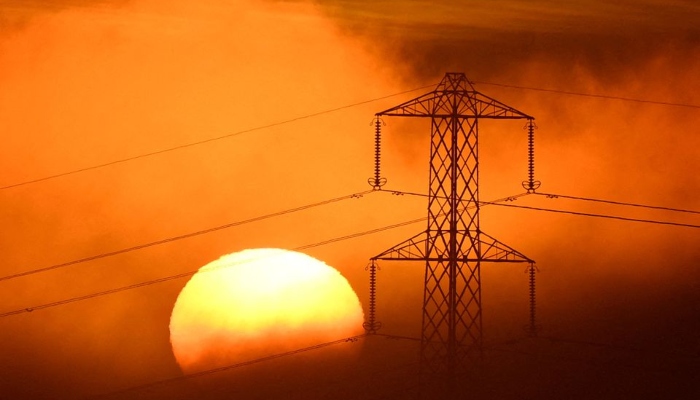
<point>453,247</point>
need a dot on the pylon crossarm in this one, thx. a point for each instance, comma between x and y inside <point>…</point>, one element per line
<point>469,105</point>
<point>421,106</point>
<point>455,97</point>
<point>414,249</point>
<point>410,249</point>
<point>494,251</point>
<point>487,107</point>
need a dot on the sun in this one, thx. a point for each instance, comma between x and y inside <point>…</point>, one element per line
<point>260,302</point>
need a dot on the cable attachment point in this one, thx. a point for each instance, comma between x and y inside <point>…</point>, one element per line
<point>531,184</point>
<point>377,181</point>
<point>372,325</point>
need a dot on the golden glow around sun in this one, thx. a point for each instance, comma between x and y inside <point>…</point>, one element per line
<point>259,302</point>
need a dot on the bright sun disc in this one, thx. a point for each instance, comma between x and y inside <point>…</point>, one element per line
<point>259,302</point>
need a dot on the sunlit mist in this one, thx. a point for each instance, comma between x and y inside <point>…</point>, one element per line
<point>134,122</point>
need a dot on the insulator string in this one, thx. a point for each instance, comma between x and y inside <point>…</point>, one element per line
<point>377,182</point>
<point>372,325</point>
<point>531,184</point>
<point>532,329</point>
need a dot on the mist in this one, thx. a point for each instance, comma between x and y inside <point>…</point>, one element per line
<point>89,82</point>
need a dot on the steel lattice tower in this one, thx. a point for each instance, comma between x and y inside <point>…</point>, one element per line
<point>453,246</point>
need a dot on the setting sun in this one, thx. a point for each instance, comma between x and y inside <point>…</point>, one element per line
<point>260,302</point>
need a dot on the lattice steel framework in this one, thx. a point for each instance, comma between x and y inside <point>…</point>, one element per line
<point>453,245</point>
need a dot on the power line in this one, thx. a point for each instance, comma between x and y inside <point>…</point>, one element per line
<point>190,273</point>
<point>364,233</point>
<point>235,224</point>
<point>186,274</point>
<point>512,198</point>
<point>200,142</point>
<point>620,203</point>
<point>414,384</point>
<point>381,369</point>
<point>262,127</point>
<point>599,96</point>
<point>228,367</point>
<point>401,193</point>
<point>399,337</point>
<point>648,221</point>
<point>593,362</point>
<point>96,294</point>
<point>185,236</point>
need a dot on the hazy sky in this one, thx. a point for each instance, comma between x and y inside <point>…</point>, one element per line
<point>487,37</point>
<point>89,82</point>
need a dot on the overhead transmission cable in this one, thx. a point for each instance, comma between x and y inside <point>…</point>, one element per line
<point>620,203</point>
<point>583,214</point>
<point>499,202</point>
<point>226,367</point>
<point>190,273</point>
<point>307,116</point>
<point>594,95</point>
<point>184,236</point>
<point>352,339</point>
<point>209,140</point>
<point>186,274</point>
<point>380,370</point>
<point>540,355</point>
<point>617,217</point>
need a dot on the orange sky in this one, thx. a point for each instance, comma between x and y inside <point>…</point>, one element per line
<point>88,82</point>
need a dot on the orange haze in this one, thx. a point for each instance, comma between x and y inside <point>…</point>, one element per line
<point>88,82</point>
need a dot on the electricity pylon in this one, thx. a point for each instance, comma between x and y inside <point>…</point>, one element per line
<point>453,246</point>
